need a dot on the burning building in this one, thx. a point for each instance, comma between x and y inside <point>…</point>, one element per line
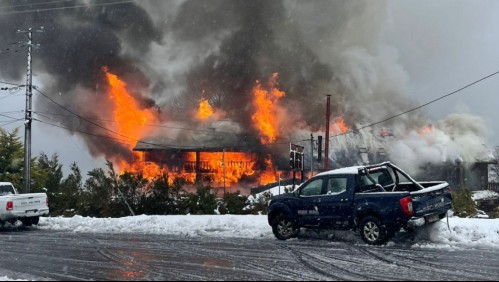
<point>167,86</point>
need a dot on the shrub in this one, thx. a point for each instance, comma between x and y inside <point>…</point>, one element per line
<point>464,206</point>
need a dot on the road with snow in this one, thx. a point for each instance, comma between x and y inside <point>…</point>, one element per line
<point>36,254</point>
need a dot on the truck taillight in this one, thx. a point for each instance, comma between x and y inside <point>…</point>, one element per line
<point>47,201</point>
<point>10,205</point>
<point>406,204</point>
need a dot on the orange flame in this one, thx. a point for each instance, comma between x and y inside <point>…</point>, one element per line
<point>340,126</point>
<point>205,110</point>
<point>218,168</point>
<point>237,165</point>
<point>130,121</point>
<point>425,130</point>
<point>266,105</point>
<point>269,175</point>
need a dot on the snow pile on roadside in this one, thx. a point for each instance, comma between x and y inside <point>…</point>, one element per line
<point>278,190</point>
<point>5,278</point>
<point>465,232</point>
<point>247,226</point>
<point>484,195</point>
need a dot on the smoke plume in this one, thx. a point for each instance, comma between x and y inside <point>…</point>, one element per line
<point>170,52</point>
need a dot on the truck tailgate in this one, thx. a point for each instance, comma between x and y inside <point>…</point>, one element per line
<point>29,203</point>
<point>431,201</point>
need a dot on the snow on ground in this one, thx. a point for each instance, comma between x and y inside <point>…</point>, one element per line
<point>464,232</point>
<point>5,278</point>
<point>247,226</point>
<point>484,195</point>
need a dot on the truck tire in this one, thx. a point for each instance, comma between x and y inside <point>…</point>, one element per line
<point>283,228</point>
<point>373,232</point>
<point>35,220</point>
<point>27,221</point>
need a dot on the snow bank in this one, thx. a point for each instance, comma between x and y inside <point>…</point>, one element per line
<point>5,278</point>
<point>484,195</point>
<point>464,232</point>
<point>247,226</point>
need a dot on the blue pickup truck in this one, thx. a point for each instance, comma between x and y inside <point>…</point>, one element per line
<point>370,199</point>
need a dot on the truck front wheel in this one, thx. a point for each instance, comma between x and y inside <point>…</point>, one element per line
<point>372,231</point>
<point>283,228</point>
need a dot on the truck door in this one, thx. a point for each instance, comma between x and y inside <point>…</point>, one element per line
<point>336,205</point>
<point>310,197</point>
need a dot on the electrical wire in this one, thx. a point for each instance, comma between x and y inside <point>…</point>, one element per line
<point>66,7</point>
<point>159,126</point>
<point>419,107</point>
<point>36,4</point>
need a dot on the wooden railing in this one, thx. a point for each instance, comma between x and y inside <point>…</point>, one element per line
<point>494,187</point>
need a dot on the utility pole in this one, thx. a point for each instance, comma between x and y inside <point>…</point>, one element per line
<point>29,108</point>
<point>328,120</point>
<point>311,155</point>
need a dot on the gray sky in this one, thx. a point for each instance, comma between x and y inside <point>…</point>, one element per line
<point>442,46</point>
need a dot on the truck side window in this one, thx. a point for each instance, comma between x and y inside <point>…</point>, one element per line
<point>313,188</point>
<point>337,185</point>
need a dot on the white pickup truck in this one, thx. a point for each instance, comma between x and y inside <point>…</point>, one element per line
<point>24,207</point>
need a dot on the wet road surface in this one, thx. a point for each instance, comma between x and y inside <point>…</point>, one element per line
<point>47,255</point>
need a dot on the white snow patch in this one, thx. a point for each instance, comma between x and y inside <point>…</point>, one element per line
<point>484,195</point>
<point>465,233</point>
<point>244,226</point>
<point>278,190</point>
<point>5,278</point>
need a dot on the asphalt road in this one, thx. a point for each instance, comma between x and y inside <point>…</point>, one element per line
<point>45,255</point>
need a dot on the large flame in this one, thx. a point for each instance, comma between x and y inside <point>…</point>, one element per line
<point>270,174</point>
<point>130,121</point>
<point>216,168</point>
<point>224,168</point>
<point>205,110</point>
<point>266,108</point>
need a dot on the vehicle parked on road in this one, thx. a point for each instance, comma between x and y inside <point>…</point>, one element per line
<point>24,207</point>
<point>368,199</point>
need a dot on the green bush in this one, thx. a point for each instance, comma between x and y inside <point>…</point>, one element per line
<point>464,206</point>
<point>234,203</point>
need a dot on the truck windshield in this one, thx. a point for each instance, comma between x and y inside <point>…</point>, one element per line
<point>6,190</point>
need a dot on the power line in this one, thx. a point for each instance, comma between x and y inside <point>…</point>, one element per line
<point>11,83</point>
<point>159,126</point>
<point>12,122</point>
<point>66,7</point>
<point>419,107</point>
<point>36,4</point>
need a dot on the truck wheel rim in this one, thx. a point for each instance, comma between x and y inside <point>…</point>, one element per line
<point>285,228</point>
<point>371,231</point>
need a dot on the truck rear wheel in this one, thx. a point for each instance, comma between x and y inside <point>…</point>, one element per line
<point>28,221</point>
<point>35,220</point>
<point>283,228</point>
<point>372,231</point>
